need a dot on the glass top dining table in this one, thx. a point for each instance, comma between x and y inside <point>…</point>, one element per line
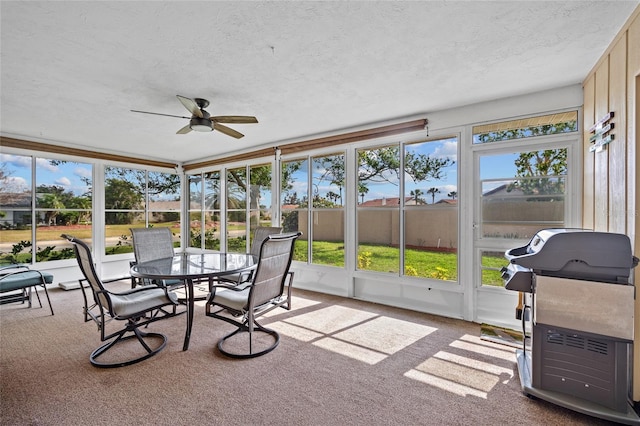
<point>190,267</point>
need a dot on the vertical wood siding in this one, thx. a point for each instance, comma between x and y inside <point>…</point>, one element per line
<point>610,200</point>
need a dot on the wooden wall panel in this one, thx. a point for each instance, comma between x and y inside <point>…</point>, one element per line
<point>618,147</point>
<point>633,177</point>
<point>588,110</point>
<point>614,85</point>
<point>601,159</point>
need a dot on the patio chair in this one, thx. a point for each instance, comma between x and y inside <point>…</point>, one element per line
<point>137,307</point>
<point>19,281</point>
<point>259,235</point>
<point>151,244</point>
<point>242,305</point>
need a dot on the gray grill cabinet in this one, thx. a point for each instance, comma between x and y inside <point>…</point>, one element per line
<point>581,309</point>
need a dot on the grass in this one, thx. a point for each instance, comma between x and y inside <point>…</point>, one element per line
<point>371,257</point>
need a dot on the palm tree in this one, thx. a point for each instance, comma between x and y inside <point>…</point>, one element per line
<point>433,192</point>
<point>416,194</point>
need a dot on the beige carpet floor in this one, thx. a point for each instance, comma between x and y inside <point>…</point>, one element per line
<point>340,361</point>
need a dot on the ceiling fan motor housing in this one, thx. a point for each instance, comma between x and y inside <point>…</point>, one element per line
<point>201,124</point>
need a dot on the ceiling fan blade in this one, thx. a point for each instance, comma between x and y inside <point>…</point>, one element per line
<point>227,131</point>
<point>234,119</point>
<point>157,113</point>
<point>186,129</point>
<point>191,106</point>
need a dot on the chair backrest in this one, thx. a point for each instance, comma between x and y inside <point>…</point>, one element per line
<point>85,261</point>
<point>152,243</point>
<point>259,235</point>
<point>276,253</point>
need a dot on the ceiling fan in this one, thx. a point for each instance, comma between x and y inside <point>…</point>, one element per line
<point>201,121</point>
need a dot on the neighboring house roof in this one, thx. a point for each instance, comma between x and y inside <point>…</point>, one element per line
<point>451,201</point>
<point>15,200</point>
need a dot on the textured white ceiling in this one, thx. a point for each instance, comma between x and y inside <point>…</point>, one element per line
<point>72,71</point>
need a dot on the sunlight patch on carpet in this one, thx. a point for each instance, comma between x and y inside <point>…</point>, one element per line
<point>297,303</point>
<point>460,374</point>
<point>444,384</point>
<point>477,365</point>
<point>384,334</point>
<point>330,319</point>
<point>298,333</point>
<point>484,348</point>
<point>352,351</point>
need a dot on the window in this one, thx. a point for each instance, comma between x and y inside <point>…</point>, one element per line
<point>137,198</point>
<point>248,205</point>
<point>327,211</point>
<point>321,221</point>
<point>552,124</point>
<point>521,193</point>
<point>415,234</point>
<point>522,186</point>
<point>259,198</point>
<point>237,210</point>
<point>204,210</point>
<point>294,203</point>
<point>431,209</point>
<point>378,211</point>
<point>63,202</point>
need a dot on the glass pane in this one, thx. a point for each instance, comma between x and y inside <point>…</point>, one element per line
<point>522,193</point>
<point>379,177</point>
<point>292,221</point>
<point>212,190</point>
<point>551,124</point>
<point>431,242</point>
<point>195,229</point>
<point>164,191</point>
<point>236,210</point>
<point>430,172</point>
<point>237,232</point>
<point>51,246</point>
<point>328,181</point>
<point>295,179</point>
<point>117,230</point>
<point>378,240</point>
<point>328,237</point>
<point>491,263</point>
<point>124,189</point>
<point>63,206</point>
<point>431,215</point>
<point>15,209</point>
<point>212,228</point>
<point>195,191</point>
<point>260,196</point>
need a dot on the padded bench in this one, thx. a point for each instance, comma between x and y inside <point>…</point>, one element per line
<point>22,279</point>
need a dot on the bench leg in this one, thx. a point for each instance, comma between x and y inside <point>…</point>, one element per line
<point>44,285</point>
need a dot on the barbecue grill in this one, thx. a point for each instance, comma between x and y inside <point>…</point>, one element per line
<point>576,299</point>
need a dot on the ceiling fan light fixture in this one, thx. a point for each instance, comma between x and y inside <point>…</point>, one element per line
<point>201,124</point>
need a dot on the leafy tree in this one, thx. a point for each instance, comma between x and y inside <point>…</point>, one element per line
<point>122,195</point>
<point>50,201</point>
<point>525,132</point>
<point>453,194</point>
<point>541,173</point>
<point>381,165</point>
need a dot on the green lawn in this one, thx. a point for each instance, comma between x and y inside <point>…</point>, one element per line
<point>372,257</point>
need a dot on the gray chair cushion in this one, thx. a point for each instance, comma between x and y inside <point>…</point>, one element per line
<point>139,300</point>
